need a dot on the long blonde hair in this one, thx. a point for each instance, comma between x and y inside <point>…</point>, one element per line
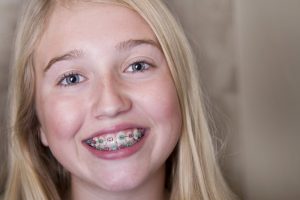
<point>192,169</point>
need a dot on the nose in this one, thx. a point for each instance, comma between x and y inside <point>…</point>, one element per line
<point>111,100</point>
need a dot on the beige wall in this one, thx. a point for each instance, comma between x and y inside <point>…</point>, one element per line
<point>268,46</point>
<point>248,53</point>
<point>210,28</point>
<point>8,16</point>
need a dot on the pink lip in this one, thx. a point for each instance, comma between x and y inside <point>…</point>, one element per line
<point>121,153</point>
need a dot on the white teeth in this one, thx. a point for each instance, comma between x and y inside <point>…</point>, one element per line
<point>122,138</point>
<point>136,134</point>
<point>113,142</point>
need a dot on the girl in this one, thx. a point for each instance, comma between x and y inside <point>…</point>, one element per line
<point>106,105</point>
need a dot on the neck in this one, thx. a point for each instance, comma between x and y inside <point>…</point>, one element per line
<point>152,188</point>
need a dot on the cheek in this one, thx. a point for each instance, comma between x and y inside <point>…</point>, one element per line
<point>163,104</point>
<point>60,119</point>
<point>158,101</point>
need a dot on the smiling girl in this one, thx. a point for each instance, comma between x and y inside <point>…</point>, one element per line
<point>106,105</point>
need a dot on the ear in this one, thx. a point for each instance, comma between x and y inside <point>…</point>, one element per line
<point>43,137</point>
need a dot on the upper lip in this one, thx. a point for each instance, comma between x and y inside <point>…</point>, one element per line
<point>114,129</point>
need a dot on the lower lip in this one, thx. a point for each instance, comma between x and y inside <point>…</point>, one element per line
<point>118,154</point>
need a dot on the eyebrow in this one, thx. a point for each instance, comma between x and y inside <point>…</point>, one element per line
<point>73,54</point>
<point>129,44</point>
<point>122,46</point>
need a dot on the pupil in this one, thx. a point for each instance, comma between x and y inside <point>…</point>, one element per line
<point>73,79</point>
<point>138,66</point>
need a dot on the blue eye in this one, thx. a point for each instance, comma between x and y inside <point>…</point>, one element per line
<point>138,67</point>
<point>71,79</point>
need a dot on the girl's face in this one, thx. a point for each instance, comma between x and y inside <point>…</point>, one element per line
<point>105,99</point>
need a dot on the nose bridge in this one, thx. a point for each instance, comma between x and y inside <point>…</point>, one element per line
<point>111,98</point>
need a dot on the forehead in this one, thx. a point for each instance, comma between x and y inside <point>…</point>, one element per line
<point>82,24</point>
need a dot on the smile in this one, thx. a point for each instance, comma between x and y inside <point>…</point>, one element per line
<point>116,141</point>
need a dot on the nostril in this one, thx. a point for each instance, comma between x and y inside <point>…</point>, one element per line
<point>111,102</point>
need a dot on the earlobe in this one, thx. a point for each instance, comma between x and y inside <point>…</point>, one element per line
<point>43,137</point>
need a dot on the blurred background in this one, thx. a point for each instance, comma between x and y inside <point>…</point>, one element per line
<point>249,55</point>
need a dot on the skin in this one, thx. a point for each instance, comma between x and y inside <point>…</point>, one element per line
<point>107,94</point>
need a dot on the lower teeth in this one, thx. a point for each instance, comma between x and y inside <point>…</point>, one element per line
<point>114,143</point>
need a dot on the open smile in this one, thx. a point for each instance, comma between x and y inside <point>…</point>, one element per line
<point>116,141</point>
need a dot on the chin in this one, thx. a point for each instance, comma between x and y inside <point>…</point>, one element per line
<point>122,184</point>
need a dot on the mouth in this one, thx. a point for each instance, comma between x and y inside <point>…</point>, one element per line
<point>116,141</point>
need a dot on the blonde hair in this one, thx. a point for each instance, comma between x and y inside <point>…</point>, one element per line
<point>193,172</point>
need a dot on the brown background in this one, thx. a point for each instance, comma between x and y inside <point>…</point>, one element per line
<point>249,54</point>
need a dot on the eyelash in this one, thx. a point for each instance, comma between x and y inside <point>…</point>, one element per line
<point>145,66</point>
<point>65,77</point>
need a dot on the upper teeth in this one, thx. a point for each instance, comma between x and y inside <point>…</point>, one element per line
<point>112,142</point>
